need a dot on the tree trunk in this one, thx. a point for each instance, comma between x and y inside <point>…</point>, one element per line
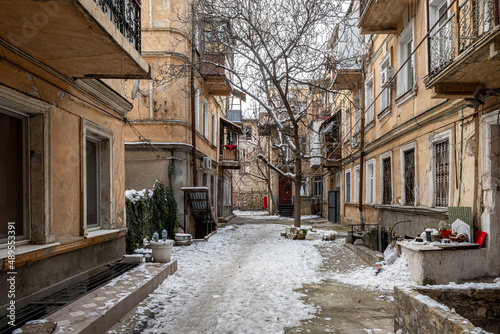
<point>297,200</point>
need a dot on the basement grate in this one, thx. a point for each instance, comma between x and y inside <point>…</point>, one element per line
<point>56,301</point>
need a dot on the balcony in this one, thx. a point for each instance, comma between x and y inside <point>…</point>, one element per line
<point>381,16</point>
<point>229,157</point>
<point>79,38</point>
<point>332,147</point>
<point>214,69</point>
<point>465,50</point>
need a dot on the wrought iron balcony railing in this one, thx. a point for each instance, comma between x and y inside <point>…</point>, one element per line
<point>126,16</point>
<point>459,32</point>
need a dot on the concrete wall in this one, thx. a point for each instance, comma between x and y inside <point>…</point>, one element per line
<point>433,265</point>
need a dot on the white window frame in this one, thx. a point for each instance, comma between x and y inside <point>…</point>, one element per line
<point>214,129</point>
<point>384,101</point>
<point>304,189</point>
<point>205,113</point>
<point>384,156</point>
<point>402,150</point>
<point>348,190</point>
<point>106,192</point>
<point>403,80</point>
<point>197,108</point>
<point>347,122</point>
<point>371,182</point>
<point>357,180</point>
<point>369,97</point>
<point>433,140</point>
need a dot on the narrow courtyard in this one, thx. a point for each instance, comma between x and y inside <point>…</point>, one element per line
<point>248,279</point>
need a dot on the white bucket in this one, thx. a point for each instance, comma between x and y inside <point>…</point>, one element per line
<point>162,250</point>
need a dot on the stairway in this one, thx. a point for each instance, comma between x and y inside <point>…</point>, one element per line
<point>285,210</point>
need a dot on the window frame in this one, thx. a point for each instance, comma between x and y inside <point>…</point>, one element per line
<point>197,108</point>
<point>205,112</point>
<point>385,92</point>
<point>403,150</point>
<point>348,186</point>
<point>406,37</point>
<point>105,138</point>
<point>371,194</point>
<point>357,180</point>
<point>347,122</point>
<point>214,129</point>
<point>25,174</point>
<point>433,140</point>
<point>383,158</point>
<point>369,88</point>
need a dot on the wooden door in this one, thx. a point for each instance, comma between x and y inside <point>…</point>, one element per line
<point>285,191</point>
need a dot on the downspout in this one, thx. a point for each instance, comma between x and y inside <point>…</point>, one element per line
<point>193,114</point>
<point>361,153</point>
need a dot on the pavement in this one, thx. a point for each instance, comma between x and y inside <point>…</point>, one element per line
<point>340,308</point>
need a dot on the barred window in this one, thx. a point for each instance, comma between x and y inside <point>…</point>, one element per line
<point>442,176</point>
<point>387,181</point>
<point>409,177</point>
<point>348,187</point>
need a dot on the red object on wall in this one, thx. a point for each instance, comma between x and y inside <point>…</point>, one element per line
<point>479,238</point>
<point>265,202</point>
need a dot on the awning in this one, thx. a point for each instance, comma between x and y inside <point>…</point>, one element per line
<point>231,125</point>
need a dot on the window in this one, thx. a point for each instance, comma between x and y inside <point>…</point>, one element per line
<point>442,39</point>
<point>197,108</point>
<point>316,186</point>
<point>214,129</point>
<point>442,173</point>
<point>385,96</point>
<point>13,176</point>
<point>356,119</point>
<point>348,186</point>
<point>248,133</point>
<point>212,190</point>
<point>405,48</point>
<point>304,189</point>
<point>356,184</point>
<point>369,92</point>
<point>370,182</point>
<point>97,176</point>
<point>409,176</point>
<point>347,122</point>
<point>387,181</point>
<point>205,118</point>
<point>205,180</point>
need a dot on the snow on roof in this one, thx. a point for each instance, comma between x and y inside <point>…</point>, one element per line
<point>194,188</point>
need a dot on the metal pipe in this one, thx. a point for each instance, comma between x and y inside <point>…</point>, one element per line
<point>193,114</point>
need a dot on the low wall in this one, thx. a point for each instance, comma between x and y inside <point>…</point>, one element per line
<point>430,264</point>
<point>441,310</point>
<point>369,256</point>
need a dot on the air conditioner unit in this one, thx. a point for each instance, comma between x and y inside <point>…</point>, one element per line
<point>386,75</point>
<point>207,163</point>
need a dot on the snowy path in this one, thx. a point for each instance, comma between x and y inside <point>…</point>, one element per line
<point>240,281</point>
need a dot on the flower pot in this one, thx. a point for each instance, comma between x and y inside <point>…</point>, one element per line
<point>162,250</point>
<point>445,234</point>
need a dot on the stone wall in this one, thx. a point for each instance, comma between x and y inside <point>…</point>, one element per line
<point>251,201</point>
<point>446,310</point>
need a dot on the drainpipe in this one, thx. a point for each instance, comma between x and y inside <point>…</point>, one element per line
<point>193,114</point>
<point>361,152</point>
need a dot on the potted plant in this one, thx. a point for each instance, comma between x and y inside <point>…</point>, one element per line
<point>444,229</point>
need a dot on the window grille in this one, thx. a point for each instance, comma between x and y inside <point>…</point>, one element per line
<point>409,177</point>
<point>442,176</point>
<point>387,190</point>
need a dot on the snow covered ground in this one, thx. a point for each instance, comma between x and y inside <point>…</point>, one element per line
<point>243,280</point>
<point>264,215</point>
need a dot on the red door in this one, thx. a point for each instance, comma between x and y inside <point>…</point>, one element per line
<point>285,194</point>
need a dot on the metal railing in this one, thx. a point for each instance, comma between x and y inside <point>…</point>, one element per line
<point>126,16</point>
<point>443,45</point>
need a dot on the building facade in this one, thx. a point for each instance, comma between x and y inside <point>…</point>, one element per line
<point>427,137</point>
<point>179,132</point>
<point>62,117</point>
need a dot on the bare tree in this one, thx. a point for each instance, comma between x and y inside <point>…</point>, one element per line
<point>280,49</point>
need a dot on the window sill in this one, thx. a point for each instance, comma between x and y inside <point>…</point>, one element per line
<point>386,112</point>
<point>28,253</point>
<point>400,100</point>
<point>370,125</point>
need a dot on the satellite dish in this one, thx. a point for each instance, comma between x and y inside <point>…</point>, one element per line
<point>135,89</point>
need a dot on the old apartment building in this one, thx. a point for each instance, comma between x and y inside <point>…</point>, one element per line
<point>62,118</point>
<point>180,127</point>
<point>417,122</point>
